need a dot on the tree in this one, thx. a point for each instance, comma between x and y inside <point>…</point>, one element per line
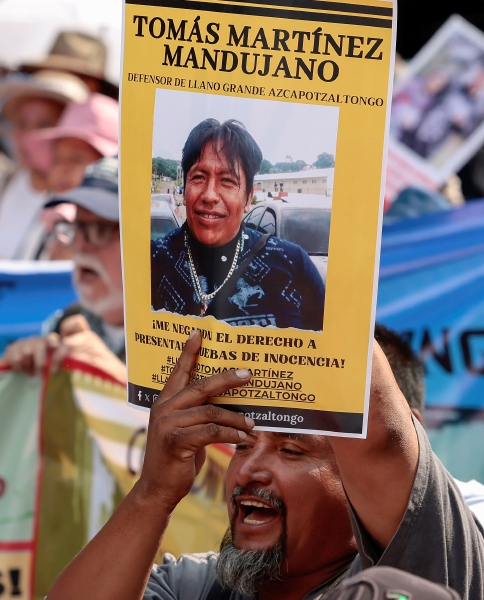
<point>289,167</point>
<point>265,167</point>
<point>324,161</point>
<point>165,167</point>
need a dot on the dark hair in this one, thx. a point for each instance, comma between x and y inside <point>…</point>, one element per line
<point>231,138</point>
<point>407,368</point>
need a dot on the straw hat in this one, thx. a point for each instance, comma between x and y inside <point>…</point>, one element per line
<point>53,85</point>
<point>78,53</point>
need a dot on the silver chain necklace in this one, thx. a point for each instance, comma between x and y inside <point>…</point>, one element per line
<point>205,298</point>
<point>335,582</point>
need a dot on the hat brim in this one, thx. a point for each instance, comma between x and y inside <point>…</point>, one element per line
<point>42,144</point>
<point>61,89</point>
<point>74,66</point>
<point>103,203</point>
<point>12,92</point>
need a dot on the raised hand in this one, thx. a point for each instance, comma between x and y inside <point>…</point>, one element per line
<point>182,424</point>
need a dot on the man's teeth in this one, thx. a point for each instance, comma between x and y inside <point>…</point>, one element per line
<point>210,216</point>
<point>253,521</point>
<point>253,503</point>
<point>257,505</point>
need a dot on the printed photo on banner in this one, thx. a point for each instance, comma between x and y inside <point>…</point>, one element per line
<point>438,107</point>
<point>240,231</point>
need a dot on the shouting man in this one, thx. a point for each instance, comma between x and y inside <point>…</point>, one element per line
<point>213,265</point>
<point>305,511</point>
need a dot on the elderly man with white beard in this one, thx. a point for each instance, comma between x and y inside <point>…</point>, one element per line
<point>92,330</point>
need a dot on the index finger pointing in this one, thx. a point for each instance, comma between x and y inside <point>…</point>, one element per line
<point>180,376</point>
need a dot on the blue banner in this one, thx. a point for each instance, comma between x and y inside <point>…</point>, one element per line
<point>30,291</point>
<point>431,290</point>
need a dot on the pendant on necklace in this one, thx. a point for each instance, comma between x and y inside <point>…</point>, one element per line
<point>224,258</point>
<point>204,308</point>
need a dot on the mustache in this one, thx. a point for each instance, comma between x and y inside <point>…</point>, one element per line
<point>87,261</point>
<point>262,493</point>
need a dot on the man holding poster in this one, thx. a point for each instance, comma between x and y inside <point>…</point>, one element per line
<point>213,265</point>
<point>306,511</point>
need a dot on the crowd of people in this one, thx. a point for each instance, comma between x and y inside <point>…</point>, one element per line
<point>60,129</point>
<point>57,117</point>
<point>306,512</point>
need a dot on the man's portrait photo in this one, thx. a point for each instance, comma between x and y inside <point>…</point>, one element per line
<point>225,255</point>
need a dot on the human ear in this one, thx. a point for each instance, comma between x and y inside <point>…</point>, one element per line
<point>249,200</point>
<point>418,415</point>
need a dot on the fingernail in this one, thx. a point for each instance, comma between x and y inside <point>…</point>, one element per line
<point>193,334</point>
<point>242,435</point>
<point>250,422</point>
<point>242,373</point>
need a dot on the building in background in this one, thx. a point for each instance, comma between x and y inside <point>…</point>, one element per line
<point>312,181</point>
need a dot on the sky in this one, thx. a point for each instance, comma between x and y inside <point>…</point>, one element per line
<point>301,131</point>
<point>29,27</point>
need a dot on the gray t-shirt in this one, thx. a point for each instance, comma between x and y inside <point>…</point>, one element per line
<point>438,539</point>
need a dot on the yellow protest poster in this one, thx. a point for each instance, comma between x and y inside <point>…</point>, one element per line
<point>253,148</point>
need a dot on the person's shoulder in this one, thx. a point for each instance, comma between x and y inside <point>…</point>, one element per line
<point>471,489</point>
<point>202,561</point>
<point>252,236</point>
<point>169,242</point>
<point>189,576</point>
<point>279,251</point>
<point>197,557</point>
<point>175,236</point>
<point>288,250</point>
<point>435,487</point>
<point>436,516</point>
<point>473,493</point>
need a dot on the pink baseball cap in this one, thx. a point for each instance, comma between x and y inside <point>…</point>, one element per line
<point>95,121</point>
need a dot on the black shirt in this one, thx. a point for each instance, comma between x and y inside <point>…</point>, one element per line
<point>281,286</point>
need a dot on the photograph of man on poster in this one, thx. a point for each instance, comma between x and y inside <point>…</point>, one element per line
<point>213,265</point>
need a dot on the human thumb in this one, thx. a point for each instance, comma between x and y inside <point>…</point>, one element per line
<point>74,324</point>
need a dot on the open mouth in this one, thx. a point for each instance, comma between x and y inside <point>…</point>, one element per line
<point>85,274</point>
<point>255,512</point>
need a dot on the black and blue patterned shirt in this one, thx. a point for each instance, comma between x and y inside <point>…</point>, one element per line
<point>281,287</point>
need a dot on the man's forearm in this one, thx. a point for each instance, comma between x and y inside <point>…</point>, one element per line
<point>116,564</point>
<point>378,472</point>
